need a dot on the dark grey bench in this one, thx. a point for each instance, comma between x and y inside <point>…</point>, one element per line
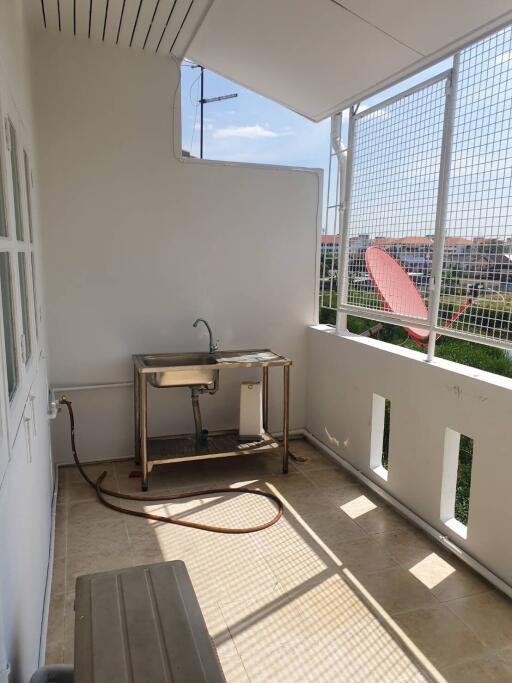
<point>142,625</point>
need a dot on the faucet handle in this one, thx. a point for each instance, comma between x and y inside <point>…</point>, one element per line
<point>215,346</point>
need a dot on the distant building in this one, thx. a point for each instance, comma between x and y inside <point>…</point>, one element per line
<point>329,244</point>
<point>457,245</point>
<point>477,259</point>
<point>359,243</point>
<point>414,253</point>
<point>419,243</point>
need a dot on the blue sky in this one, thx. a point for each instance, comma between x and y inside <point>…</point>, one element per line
<point>251,128</point>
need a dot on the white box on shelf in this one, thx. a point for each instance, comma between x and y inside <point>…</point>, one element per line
<point>251,411</point>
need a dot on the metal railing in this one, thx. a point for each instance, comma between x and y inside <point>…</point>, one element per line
<point>329,247</point>
<point>427,178</point>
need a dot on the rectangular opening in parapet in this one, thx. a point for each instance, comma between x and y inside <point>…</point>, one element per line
<point>456,485</point>
<point>381,423</point>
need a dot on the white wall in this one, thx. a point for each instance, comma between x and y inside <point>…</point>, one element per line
<point>15,59</point>
<point>25,528</point>
<point>137,244</point>
<point>26,482</point>
<point>343,374</point>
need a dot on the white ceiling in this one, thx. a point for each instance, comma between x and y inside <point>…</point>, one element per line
<point>163,26</point>
<point>314,56</point>
<point>320,56</point>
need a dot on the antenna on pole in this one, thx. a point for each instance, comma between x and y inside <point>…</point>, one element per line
<point>206,100</point>
<point>201,100</point>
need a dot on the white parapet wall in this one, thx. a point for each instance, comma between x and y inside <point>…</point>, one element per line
<point>429,403</point>
<point>139,242</point>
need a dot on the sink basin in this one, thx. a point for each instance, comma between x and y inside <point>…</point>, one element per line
<point>181,369</point>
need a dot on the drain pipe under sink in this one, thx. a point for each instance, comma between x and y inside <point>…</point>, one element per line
<point>195,393</point>
<point>196,409</point>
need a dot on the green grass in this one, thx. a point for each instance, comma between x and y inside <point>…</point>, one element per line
<point>385,438</point>
<point>463,479</point>
<point>474,355</point>
<point>478,356</point>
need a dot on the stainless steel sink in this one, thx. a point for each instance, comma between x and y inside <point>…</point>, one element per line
<point>200,373</point>
<point>181,370</point>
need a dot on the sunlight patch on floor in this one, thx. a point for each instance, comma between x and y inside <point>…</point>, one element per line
<point>359,506</point>
<point>432,570</point>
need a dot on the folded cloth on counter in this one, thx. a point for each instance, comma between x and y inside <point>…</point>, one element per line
<point>256,357</point>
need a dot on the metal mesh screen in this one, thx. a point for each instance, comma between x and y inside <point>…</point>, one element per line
<point>396,152</point>
<point>329,239</point>
<point>477,259</point>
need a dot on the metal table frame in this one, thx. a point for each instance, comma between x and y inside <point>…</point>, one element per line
<point>141,373</point>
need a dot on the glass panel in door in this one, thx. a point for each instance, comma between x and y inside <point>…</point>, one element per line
<point>25,311</point>
<point>9,326</point>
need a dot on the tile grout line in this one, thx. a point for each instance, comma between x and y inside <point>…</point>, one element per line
<point>468,626</point>
<point>60,643</point>
<point>125,522</point>
<point>219,607</point>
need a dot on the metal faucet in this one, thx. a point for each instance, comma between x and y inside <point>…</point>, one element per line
<point>213,346</point>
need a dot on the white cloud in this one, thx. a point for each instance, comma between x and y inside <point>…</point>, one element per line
<point>374,114</point>
<point>504,57</point>
<point>197,126</point>
<point>251,132</point>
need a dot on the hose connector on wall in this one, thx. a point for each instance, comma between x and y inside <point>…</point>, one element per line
<point>53,405</point>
